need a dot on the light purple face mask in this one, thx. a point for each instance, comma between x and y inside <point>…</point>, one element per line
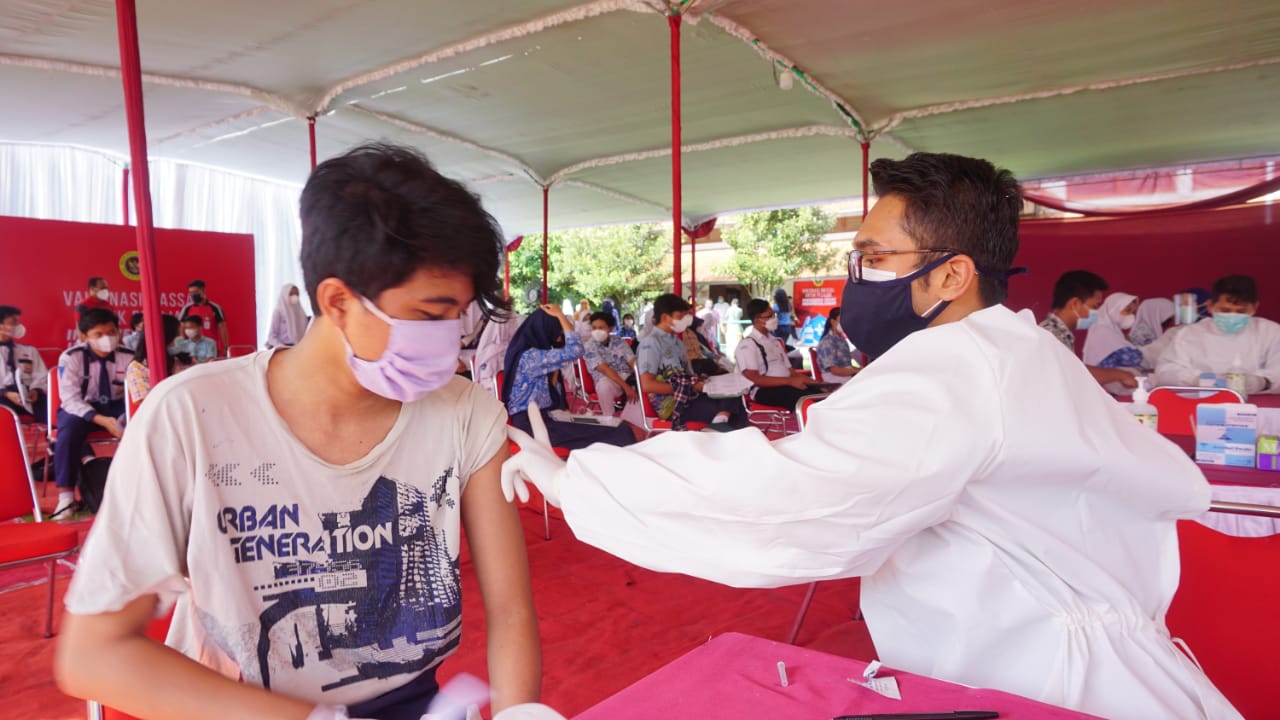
<point>421,356</point>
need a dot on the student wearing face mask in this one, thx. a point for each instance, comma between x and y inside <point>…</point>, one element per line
<point>23,377</point>
<point>989,510</point>
<point>1233,338</point>
<point>628,329</point>
<point>835,357</point>
<point>194,343</point>
<point>610,362</point>
<point>305,506</point>
<point>91,389</point>
<point>762,359</point>
<point>208,312</point>
<point>1077,295</point>
<point>288,321</point>
<point>1107,344</point>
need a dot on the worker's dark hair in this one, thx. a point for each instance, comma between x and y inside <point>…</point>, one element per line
<point>606,317</point>
<point>755,308</point>
<point>958,202</point>
<point>95,280</point>
<point>1077,284</point>
<point>377,214</point>
<point>8,311</point>
<point>1240,288</point>
<point>93,317</point>
<point>193,319</point>
<point>668,304</point>
<point>196,284</point>
<point>134,319</point>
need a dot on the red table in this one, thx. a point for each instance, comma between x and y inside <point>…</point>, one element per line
<point>735,677</point>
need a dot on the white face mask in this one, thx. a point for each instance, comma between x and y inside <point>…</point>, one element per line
<point>103,294</point>
<point>105,343</point>
<point>600,335</point>
<point>294,299</point>
<point>682,324</point>
<point>18,331</point>
<point>1127,321</point>
<point>771,324</point>
<point>191,333</point>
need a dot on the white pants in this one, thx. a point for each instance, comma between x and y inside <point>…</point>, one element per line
<point>608,392</point>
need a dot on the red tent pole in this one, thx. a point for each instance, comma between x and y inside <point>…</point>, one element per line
<point>131,74</point>
<point>546,192</point>
<point>677,224</point>
<point>311,133</point>
<point>866,174</point>
<point>124,194</point>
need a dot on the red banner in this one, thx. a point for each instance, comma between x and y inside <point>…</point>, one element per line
<point>817,297</point>
<point>48,264</point>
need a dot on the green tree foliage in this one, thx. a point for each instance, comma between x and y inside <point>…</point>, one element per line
<point>625,262</point>
<point>772,247</point>
<point>526,272</point>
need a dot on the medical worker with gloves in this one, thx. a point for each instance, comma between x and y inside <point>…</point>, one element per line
<point>1014,526</point>
<point>1233,339</point>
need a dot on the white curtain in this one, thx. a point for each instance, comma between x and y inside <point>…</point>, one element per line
<point>63,183</point>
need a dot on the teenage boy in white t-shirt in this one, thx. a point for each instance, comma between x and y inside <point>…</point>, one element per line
<point>304,504</point>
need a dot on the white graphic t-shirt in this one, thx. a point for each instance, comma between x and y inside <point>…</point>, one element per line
<point>329,583</point>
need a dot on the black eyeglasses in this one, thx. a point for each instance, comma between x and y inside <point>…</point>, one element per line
<point>857,257</point>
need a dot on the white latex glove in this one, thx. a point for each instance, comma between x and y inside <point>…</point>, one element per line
<point>1254,384</point>
<point>536,462</point>
<point>529,711</point>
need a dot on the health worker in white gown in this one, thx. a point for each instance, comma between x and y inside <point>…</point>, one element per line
<point>1015,528</point>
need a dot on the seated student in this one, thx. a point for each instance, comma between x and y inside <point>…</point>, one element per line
<point>539,351</point>
<point>610,363</point>
<point>1231,338</point>
<point>23,376</point>
<point>1154,329</point>
<point>835,358</point>
<point>763,360</point>
<point>662,362</point>
<point>628,329</point>
<point>201,349</point>
<point>133,335</point>
<point>312,527</point>
<point>1077,295</point>
<point>137,378</point>
<point>91,388</point>
<point>703,358</point>
<point>1107,345</point>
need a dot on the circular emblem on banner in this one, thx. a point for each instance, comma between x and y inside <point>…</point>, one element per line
<point>129,265</point>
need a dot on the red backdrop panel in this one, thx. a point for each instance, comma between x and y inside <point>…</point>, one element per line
<point>48,263</point>
<point>1153,256</point>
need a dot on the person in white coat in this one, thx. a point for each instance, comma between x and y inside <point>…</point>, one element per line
<point>1014,527</point>
<point>1232,338</point>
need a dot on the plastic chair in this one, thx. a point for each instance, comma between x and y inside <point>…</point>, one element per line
<point>23,543</point>
<point>1225,608</point>
<point>1177,406</point>
<point>814,372</point>
<point>653,422</point>
<point>586,385</point>
<point>51,428</point>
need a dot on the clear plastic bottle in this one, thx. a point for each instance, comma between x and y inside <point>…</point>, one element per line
<point>1236,378</point>
<point>1145,412</point>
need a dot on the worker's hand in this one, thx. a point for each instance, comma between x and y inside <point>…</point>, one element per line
<point>799,382</point>
<point>1254,384</point>
<point>528,711</point>
<point>1126,379</point>
<point>536,463</point>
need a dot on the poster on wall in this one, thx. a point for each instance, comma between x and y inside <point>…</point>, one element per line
<point>58,258</point>
<point>817,297</point>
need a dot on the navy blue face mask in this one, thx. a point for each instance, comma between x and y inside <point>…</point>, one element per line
<point>876,315</point>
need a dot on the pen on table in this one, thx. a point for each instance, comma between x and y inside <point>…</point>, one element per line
<point>954,715</point>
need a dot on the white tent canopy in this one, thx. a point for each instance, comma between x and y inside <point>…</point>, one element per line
<point>511,95</point>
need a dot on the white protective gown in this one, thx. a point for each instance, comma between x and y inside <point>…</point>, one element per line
<point>1014,526</point>
<point>1203,348</point>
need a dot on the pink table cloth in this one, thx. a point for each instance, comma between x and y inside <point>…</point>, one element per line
<point>735,677</point>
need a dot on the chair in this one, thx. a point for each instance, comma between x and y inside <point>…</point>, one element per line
<point>1225,608</point>
<point>240,350</point>
<point>814,371</point>
<point>586,389</point>
<point>653,422</point>
<point>23,543</point>
<point>51,428</point>
<point>1177,406</point>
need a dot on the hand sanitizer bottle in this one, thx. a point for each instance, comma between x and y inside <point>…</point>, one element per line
<point>1145,412</point>
<point>1236,378</point>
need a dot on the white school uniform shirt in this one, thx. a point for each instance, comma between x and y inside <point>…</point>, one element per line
<point>772,363</point>
<point>1203,348</point>
<point>1012,532</point>
<point>334,584</point>
<point>31,371</point>
<point>75,395</point>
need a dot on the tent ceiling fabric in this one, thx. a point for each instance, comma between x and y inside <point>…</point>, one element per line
<point>505,94</point>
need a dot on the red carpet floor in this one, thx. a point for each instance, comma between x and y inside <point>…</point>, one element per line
<point>605,624</point>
